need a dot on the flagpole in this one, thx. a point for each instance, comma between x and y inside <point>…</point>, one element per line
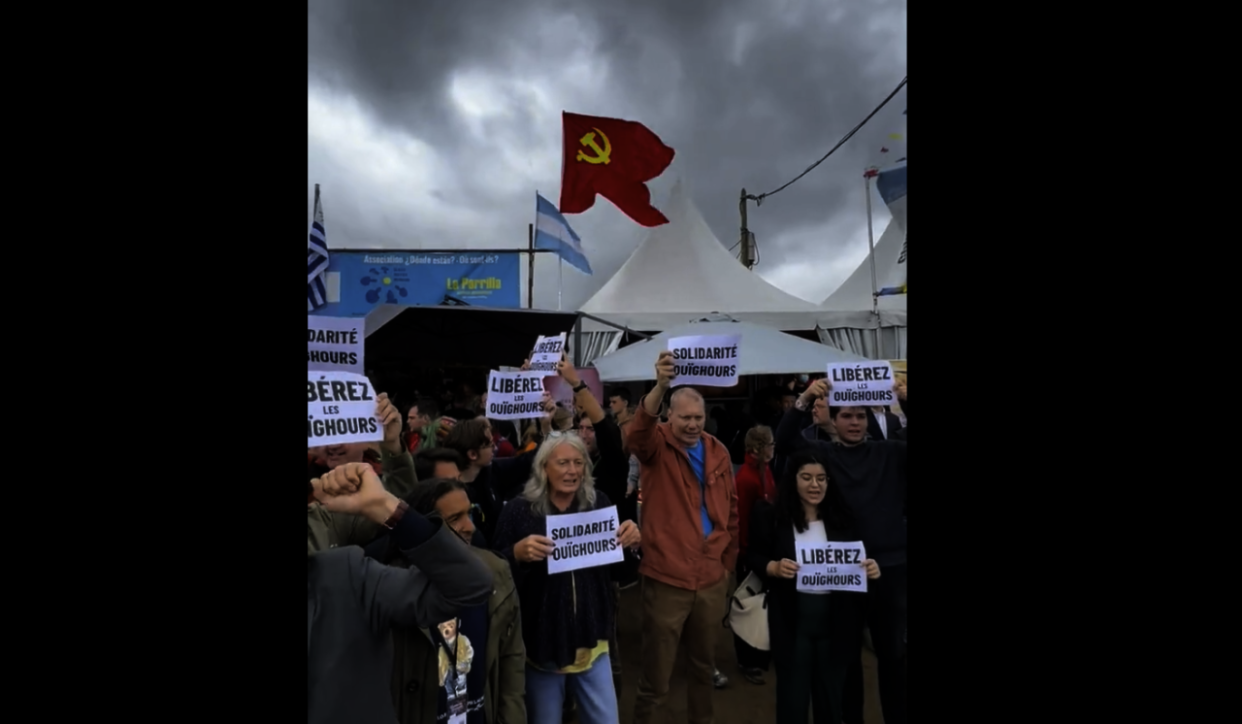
<point>560,278</point>
<point>875,290</point>
<point>530,257</point>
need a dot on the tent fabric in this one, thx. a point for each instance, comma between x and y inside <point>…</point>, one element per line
<point>848,322</point>
<point>862,341</point>
<point>682,272</point>
<point>762,351</point>
<point>594,344</point>
<point>850,305</point>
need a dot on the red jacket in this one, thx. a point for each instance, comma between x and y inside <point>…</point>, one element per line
<point>504,448</point>
<point>750,490</point>
<point>674,550</point>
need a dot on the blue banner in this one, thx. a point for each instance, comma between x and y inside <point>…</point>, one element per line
<point>359,281</point>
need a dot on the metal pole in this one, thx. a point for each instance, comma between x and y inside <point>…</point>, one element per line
<point>875,299</point>
<point>560,279</point>
<point>745,241</point>
<point>530,266</point>
<point>577,351</point>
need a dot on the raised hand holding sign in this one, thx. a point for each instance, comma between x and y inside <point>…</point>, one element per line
<point>567,371</point>
<point>391,419</point>
<point>816,390</point>
<point>666,369</point>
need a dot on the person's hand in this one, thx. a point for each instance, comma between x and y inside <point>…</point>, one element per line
<point>444,428</point>
<point>784,568</point>
<point>391,420</point>
<point>533,548</point>
<point>629,535</point>
<point>872,568</point>
<point>344,480</point>
<point>665,369</point>
<point>526,366</point>
<point>371,499</point>
<point>817,389</point>
<point>899,387</point>
<point>566,370</point>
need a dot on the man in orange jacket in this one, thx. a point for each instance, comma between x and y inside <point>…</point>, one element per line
<point>692,544</point>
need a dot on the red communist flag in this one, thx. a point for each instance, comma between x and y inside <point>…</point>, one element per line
<point>615,159</point>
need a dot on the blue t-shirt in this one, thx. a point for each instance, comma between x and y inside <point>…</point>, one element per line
<point>462,675</point>
<point>698,464</point>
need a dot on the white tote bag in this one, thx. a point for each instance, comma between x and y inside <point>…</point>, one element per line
<point>748,613</point>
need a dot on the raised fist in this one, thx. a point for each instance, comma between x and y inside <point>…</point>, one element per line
<point>665,369</point>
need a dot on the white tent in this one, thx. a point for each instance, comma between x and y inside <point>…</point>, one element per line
<point>762,351</point>
<point>682,272</point>
<point>847,320</point>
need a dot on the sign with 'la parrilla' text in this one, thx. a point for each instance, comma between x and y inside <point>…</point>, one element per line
<point>584,540</point>
<point>335,343</point>
<point>861,384</point>
<point>340,408</point>
<point>708,360</point>
<point>831,566</point>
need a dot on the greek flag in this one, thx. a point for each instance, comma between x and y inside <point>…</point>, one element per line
<point>552,232</point>
<point>316,260</point>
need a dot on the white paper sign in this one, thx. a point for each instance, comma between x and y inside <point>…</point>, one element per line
<point>514,395</point>
<point>340,408</point>
<point>584,540</point>
<point>831,566</point>
<point>861,384</point>
<point>335,343</point>
<point>709,360</point>
<point>547,353</point>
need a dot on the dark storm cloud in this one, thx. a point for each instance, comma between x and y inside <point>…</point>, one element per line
<point>748,93</point>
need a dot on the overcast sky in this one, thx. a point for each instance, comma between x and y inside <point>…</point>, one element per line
<point>433,123</point>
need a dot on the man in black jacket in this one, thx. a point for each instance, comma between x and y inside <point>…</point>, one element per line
<point>352,601</point>
<point>489,482</point>
<point>871,475</point>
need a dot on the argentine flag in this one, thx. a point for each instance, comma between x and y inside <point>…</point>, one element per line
<point>552,232</point>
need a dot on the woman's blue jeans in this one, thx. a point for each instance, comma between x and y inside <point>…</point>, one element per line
<point>593,689</point>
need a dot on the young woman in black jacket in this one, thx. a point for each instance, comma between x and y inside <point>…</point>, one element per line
<point>813,636</point>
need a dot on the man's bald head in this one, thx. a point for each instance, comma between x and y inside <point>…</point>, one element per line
<point>685,395</point>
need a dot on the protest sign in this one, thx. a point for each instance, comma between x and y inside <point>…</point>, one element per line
<point>861,384</point>
<point>547,353</point>
<point>560,390</point>
<point>340,408</point>
<point>514,395</point>
<point>709,360</point>
<point>831,566</point>
<point>584,540</point>
<point>335,343</point>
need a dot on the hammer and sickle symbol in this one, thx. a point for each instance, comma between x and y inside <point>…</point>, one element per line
<point>601,154</point>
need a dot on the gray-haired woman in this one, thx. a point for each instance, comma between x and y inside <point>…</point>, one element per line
<point>568,617</point>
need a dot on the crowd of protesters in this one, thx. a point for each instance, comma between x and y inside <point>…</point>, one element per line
<point>429,592</point>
